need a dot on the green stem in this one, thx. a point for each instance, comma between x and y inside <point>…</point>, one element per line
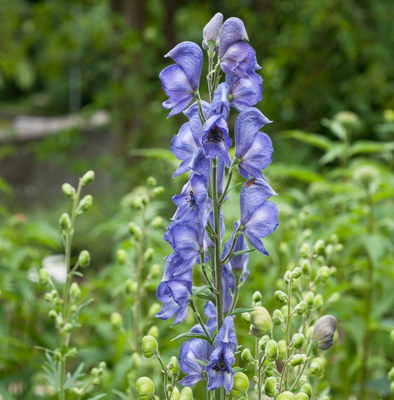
<point>199,320</point>
<point>230,175</point>
<point>256,368</point>
<point>303,366</point>
<point>165,371</point>
<point>236,294</point>
<point>288,331</point>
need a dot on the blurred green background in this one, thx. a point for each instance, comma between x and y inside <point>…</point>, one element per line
<point>79,90</point>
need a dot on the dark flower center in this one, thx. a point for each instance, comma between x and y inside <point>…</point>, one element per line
<point>215,134</point>
<point>220,366</point>
<point>191,200</point>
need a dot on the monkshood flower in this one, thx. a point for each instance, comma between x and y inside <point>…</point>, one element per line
<point>236,56</point>
<point>191,351</point>
<point>210,312</point>
<point>222,358</point>
<point>245,93</point>
<point>175,290</point>
<point>181,80</point>
<point>323,333</point>
<point>252,147</point>
<point>215,139</point>
<point>259,217</point>
<point>211,31</point>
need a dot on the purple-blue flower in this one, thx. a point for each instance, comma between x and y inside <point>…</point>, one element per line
<point>245,93</point>
<point>174,291</point>
<point>259,216</point>
<point>252,147</point>
<point>211,30</point>
<point>222,358</point>
<point>181,80</point>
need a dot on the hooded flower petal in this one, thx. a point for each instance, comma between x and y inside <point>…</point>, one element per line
<point>232,31</point>
<point>196,125</point>
<point>211,30</point>
<point>220,103</point>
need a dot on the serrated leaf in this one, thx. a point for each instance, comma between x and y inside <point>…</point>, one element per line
<point>242,310</point>
<point>78,311</point>
<point>191,335</point>
<point>313,139</point>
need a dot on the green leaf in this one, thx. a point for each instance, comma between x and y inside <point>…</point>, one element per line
<point>238,253</point>
<point>191,335</point>
<point>199,289</point>
<point>203,363</point>
<point>335,151</point>
<point>336,128</point>
<point>120,394</point>
<point>368,146</point>
<point>242,310</point>
<point>78,311</point>
<point>99,396</point>
<point>160,154</point>
<point>300,173</point>
<point>313,139</point>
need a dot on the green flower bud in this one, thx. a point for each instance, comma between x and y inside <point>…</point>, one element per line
<point>94,371</point>
<point>333,271</point>
<point>155,270</point>
<point>297,359</point>
<point>68,190</point>
<point>284,312</point>
<point>263,342</point>
<point>44,276</point>
<point>48,297</point>
<point>121,256</point>
<point>305,250</point>
<point>323,333</point>
<point>320,260</point>
<point>297,272</point>
<point>318,301</point>
<point>116,321</point>
<point>271,351</point>
<point>270,386</point>
<point>59,320</point>
<point>157,222</point>
<point>324,273</point>
<point>306,267</point>
<point>67,328</point>
<point>85,203</point>
<point>246,356</point>
<point>286,396</point>
<point>151,182</point>
<point>282,349</point>
<point>54,294</point>
<point>302,396</point>
<point>297,340</point>
<point>103,365</point>
<point>338,247</point>
<point>281,296</point>
<point>130,286</point>
<point>317,366</point>
<point>52,314</point>
<point>187,394</point>
<point>145,388</point>
<point>154,309</point>
<point>309,331</point>
<point>256,297</point>
<point>319,247</point>
<point>288,277</point>
<point>307,389</point>
<point>144,199</point>
<point>149,346</point>
<point>149,253</point>
<point>241,385</point>
<point>135,230</point>
<point>390,375</point>
<point>57,355</point>
<point>84,258</point>
<point>261,322</point>
<point>157,191</point>
<point>334,298</point>
<point>135,361</point>
<point>77,391</point>
<point>153,331</point>
<point>175,366</point>
<point>175,395</point>
<point>329,249</point>
<point>75,291</point>
<point>246,317</point>
<point>65,222</point>
<point>277,317</point>
<point>87,178</point>
<point>300,308</point>
<point>308,298</point>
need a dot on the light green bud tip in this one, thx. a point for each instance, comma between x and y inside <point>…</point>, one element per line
<point>86,203</point>
<point>149,253</point>
<point>297,272</point>
<point>175,365</point>
<point>151,181</point>
<point>116,320</point>
<point>246,356</point>
<point>263,342</point>
<point>324,273</point>
<point>307,389</point>
<point>305,251</point>
<point>317,366</point>
<point>43,276</point>
<point>145,388</point>
<point>323,334</point>
<point>319,247</point>
<point>270,386</point>
<point>281,296</point>
<point>175,395</point>
<point>135,230</point>
<point>121,256</point>
<point>241,385</point>
<point>300,308</point>
<point>302,396</point>
<point>155,270</point>
<point>157,222</point>
<point>286,396</point>
<point>246,317</point>
<point>282,349</point>
<point>135,360</point>
<point>297,359</point>
<point>87,178</point>
<point>154,309</point>
<point>149,346</point>
<point>318,301</point>
<point>298,340</point>
<point>84,259</point>
<point>187,394</point>
<point>261,321</point>
<point>75,291</point>
<point>68,190</point>
<point>272,351</point>
<point>308,298</point>
<point>65,222</point>
<point>256,297</point>
<point>306,267</point>
<point>157,191</point>
<point>154,331</point>
<point>277,317</point>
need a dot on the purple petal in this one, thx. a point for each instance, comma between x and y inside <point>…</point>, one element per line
<point>220,103</point>
<point>211,30</point>
<point>232,31</point>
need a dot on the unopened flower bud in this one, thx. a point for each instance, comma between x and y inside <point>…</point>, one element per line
<point>297,272</point>
<point>52,314</point>
<point>338,247</point>
<point>323,333</point>
<point>307,389</point>
<point>59,320</point>
<point>135,360</point>
<point>281,296</point>
<point>309,331</point>
<point>288,277</point>
<point>149,253</point>
<point>256,297</point>
<point>155,270</point>
<point>286,396</point>
<point>175,366</point>
<point>390,375</point>
<point>300,308</point>
<point>75,291</point>
<point>44,276</point>
<point>284,312</point>
<point>154,309</point>
<point>48,297</point>
<point>144,199</point>
<point>333,271</point>
<point>317,366</point>
<point>241,385</point>
<point>271,351</point>
<point>84,258</point>
<point>324,273</point>
<point>149,346</point>
<point>154,331</point>
<point>130,286</point>
<point>277,317</point>
<point>103,365</point>
<point>67,327</point>
<point>85,203</point>
<point>87,178</point>
<point>270,386</point>
<point>297,340</point>
<point>319,247</point>
<point>263,342</point>
<point>175,395</point>
<point>282,349</point>
<point>246,356</point>
<point>297,359</point>
<point>301,396</point>
<point>135,230</point>
<point>246,317</point>
<point>308,298</point>
<point>116,320</point>
<point>157,222</point>
<point>305,250</point>
<point>77,391</point>
<point>157,191</point>
<point>151,181</point>
<point>211,33</point>
<point>65,222</point>
<point>187,393</point>
<point>306,267</point>
<point>121,256</point>
<point>334,298</point>
<point>318,301</point>
<point>145,388</point>
<point>261,321</point>
<point>68,190</point>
